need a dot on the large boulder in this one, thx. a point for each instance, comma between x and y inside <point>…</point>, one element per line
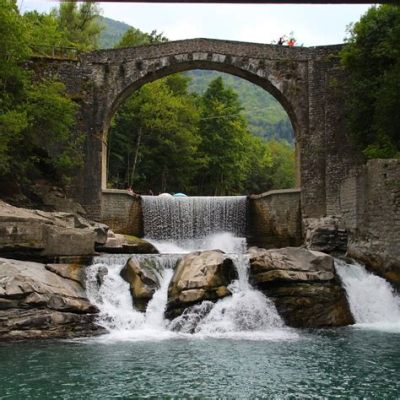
<point>43,301</point>
<point>143,278</point>
<point>303,284</point>
<point>325,234</point>
<point>40,235</point>
<point>199,276</point>
<point>126,244</point>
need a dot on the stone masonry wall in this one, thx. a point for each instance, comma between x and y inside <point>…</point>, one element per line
<point>100,81</point>
<point>122,212</point>
<point>274,219</point>
<point>370,207</point>
<point>300,78</point>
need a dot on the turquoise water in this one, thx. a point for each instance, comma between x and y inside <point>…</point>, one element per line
<point>346,363</point>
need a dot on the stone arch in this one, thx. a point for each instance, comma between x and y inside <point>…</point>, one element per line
<point>308,82</point>
<point>204,65</point>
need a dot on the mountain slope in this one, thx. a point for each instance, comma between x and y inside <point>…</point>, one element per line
<point>264,114</point>
<point>112,32</point>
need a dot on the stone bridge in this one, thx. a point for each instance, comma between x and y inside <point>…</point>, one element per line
<point>308,82</point>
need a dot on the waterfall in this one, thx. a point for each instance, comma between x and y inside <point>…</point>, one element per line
<point>114,300</point>
<point>246,314</point>
<point>177,218</point>
<point>373,301</point>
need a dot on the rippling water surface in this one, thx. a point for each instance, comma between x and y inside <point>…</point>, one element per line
<point>345,363</point>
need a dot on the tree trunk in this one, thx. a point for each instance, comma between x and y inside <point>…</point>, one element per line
<point>139,138</point>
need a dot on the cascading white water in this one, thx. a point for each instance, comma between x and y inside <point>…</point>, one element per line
<point>373,302</point>
<point>176,226</point>
<point>224,241</point>
<point>246,314</point>
<point>114,300</point>
<point>177,218</point>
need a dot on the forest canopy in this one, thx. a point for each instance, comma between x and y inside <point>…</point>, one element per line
<point>36,117</point>
<point>372,60</point>
<point>166,138</point>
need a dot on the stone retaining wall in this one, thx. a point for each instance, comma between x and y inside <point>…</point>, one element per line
<point>370,208</point>
<point>122,212</point>
<point>274,219</point>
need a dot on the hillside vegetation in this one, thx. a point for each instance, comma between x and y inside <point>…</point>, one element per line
<point>264,114</point>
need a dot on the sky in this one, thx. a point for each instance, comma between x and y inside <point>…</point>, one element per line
<point>264,23</point>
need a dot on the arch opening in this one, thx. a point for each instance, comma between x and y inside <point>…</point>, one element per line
<point>167,73</point>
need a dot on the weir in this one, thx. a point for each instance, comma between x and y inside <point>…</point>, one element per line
<point>166,218</point>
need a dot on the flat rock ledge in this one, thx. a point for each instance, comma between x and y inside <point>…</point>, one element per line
<point>43,236</point>
<point>39,301</point>
<point>126,244</point>
<point>199,276</point>
<point>303,285</point>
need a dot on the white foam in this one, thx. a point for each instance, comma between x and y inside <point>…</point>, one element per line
<point>245,315</point>
<point>373,302</point>
<point>224,241</point>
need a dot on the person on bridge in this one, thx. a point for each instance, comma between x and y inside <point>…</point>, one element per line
<point>281,41</point>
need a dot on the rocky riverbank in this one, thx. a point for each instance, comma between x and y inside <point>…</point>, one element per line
<point>42,301</point>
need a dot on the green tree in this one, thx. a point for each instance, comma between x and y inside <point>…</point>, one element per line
<point>35,118</point>
<point>154,138</point>
<point>79,24</point>
<point>44,31</point>
<point>13,50</point>
<point>135,37</point>
<point>372,59</point>
<point>224,141</point>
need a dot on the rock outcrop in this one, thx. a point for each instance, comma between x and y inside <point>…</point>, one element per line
<point>303,285</point>
<point>325,234</point>
<point>383,259</point>
<point>40,235</point>
<point>40,301</point>
<point>199,276</point>
<point>143,278</point>
<point>126,244</point>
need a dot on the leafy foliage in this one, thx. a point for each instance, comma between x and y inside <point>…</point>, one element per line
<point>135,37</point>
<point>197,144</point>
<point>69,25</point>
<point>36,119</point>
<point>372,58</point>
<point>79,23</point>
<point>161,125</point>
<point>264,114</point>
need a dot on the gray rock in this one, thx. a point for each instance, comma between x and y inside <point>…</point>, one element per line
<point>144,280</point>
<point>303,285</point>
<point>199,276</point>
<point>39,301</point>
<point>325,234</point>
<point>126,244</point>
<point>101,273</point>
<point>38,234</point>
